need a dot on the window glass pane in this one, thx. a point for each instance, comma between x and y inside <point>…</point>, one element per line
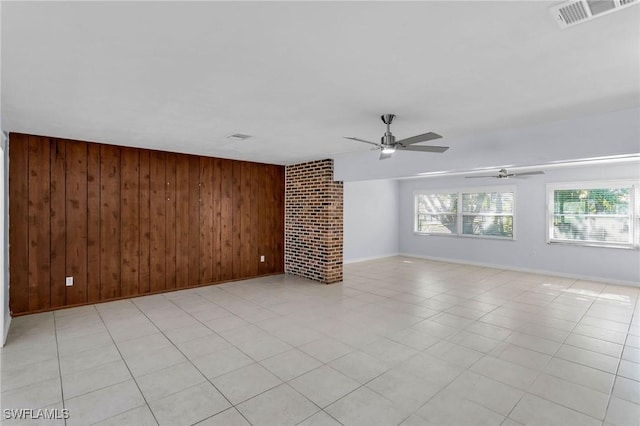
<point>487,202</point>
<point>498,226</point>
<point>436,213</point>
<point>591,215</point>
<point>601,201</point>
<point>591,228</point>
<point>437,203</point>
<point>437,224</point>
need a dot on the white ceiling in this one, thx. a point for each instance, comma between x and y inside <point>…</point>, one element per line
<point>300,76</point>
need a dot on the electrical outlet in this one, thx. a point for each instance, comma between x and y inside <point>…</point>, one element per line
<point>262,258</point>
<point>69,281</point>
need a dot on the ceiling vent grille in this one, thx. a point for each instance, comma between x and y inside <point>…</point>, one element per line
<point>238,137</point>
<point>575,12</point>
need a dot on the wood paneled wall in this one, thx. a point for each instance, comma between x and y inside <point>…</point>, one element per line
<point>126,221</point>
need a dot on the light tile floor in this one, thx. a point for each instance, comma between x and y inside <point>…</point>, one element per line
<point>400,341</point>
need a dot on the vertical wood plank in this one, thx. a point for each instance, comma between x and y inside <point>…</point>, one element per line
<point>19,223</point>
<point>39,224</point>
<point>194,220</point>
<point>157,225</point>
<point>76,222</point>
<point>271,219</point>
<point>206,220</point>
<point>246,255</point>
<point>182,220</point>
<point>110,274</point>
<point>262,226</point>
<point>144,268</point>
<point>216,247</point>
<point>278,205</point>
<point>93,222</point>
<point>226,220</point>
<point>57,190</point>
<point>254,251</point>
<point>236,218</point>
<point>170,221</point>
<point>129,226</point>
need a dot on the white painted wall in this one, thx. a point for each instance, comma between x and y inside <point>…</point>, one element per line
<point>5,315</point>
<point>529,251</point>
<point>371,212</point>
<point>5,318</point>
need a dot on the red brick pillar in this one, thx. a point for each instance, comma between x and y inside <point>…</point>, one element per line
<point>313,222</point>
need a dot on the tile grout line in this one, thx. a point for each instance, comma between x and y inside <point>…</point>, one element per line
<point>128,369</point>
<point>615,379</point>
<point>316,413</point>
<point>55,330</point>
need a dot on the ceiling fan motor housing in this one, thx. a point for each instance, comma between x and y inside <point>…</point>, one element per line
<point>388,139</point>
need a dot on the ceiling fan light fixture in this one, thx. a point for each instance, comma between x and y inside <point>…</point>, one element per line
<point>388,149</point>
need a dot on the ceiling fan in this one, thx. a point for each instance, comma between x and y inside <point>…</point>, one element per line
<point>503,174</point>
<point>388,144</point>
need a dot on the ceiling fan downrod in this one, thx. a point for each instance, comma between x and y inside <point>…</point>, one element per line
<point>388,139</point>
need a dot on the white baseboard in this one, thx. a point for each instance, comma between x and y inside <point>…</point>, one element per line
<point>529,270</point>
<point>364,259</point>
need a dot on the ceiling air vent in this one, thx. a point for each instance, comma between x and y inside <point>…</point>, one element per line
<point>575,12</point>
<point>238,137</point>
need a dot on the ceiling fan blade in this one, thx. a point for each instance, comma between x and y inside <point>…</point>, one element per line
<point>422,148</point>
<point>385,155</point>
<point>361,140</point>
<point>539,172</point>
<point>480,177</point>
<point>420,138</point>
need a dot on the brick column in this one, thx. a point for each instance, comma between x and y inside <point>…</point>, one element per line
<point>313,222</point>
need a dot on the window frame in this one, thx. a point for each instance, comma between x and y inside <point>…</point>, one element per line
<point>634,211</point>
<point>460,214</point>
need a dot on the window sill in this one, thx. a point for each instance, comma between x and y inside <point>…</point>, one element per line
<point>594,244</point>
<point>433,234</point>
<point>484,237</point>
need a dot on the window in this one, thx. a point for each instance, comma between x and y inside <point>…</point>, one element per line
<point>602,214</point>
<point>487,213</point>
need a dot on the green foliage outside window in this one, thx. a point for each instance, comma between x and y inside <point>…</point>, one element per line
<point>599,215</point>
